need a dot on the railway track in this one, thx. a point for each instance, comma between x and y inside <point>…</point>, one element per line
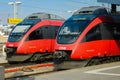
<point>25,69</point>
<point>7,65</point>
<point>36,71</point>
<point>29,69</point>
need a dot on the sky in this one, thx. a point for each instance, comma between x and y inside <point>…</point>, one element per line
<point>58,7</point>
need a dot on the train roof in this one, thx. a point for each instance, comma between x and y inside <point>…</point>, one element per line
<point>97,10</point>
<point>110,1</point>
<point>43,16</point>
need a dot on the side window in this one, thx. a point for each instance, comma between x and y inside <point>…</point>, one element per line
<point>45,32</point>
<point>114,30</point>
<point>54,31</point>
<point>37,34</point>
<point>93,34</point>
<point>50,32</point>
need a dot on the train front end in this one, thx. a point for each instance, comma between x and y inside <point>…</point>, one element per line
<point>33,38</point>
<point>15,39</point>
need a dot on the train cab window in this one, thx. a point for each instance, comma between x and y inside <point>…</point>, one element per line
<point>93,34</point>
<point>37,34</point>
<point>45,32</point>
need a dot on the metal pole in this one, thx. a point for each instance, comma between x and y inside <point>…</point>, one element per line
<point>113,8</point>
<point>15,4</point>
<point>14,10</point>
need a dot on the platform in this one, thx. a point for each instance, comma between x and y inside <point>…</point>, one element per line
<point>2,58</point>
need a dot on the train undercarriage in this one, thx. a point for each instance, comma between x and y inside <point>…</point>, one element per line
<point>13,57</point>
<point>37,57</point>
<point>62,62</point>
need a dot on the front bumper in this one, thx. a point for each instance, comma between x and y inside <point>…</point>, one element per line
<point>18,58</point>
<point>13,57</point>
<point>62,60</point>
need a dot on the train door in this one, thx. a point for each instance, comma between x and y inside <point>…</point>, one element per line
<point>53,32</point>
<point>49,35</point>
<point>45,44</point>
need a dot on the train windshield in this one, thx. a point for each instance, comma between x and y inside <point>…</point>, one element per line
<point>73,27</point>
<point>20,29</point>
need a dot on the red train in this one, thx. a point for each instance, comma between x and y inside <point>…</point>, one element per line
<point>90,36</point>
<point>33,38</point>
